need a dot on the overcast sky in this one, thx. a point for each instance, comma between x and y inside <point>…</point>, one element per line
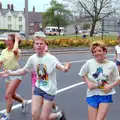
<point>40,5</point>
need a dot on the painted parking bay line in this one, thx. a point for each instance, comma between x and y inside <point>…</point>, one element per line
<point>59,91</point>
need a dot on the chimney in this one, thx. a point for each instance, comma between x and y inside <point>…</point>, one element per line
<point>0,5</point>
<point>12,7</point>
<point>33,8</point>
<point>8,6</point>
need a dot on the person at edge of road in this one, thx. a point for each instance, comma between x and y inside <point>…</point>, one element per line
<point>45,89</point>
<point>9,60</point>
<point>33,81</point>
<point>101,76</point>
<point>117,54</point>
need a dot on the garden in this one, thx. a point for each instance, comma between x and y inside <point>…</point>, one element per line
<point>67,41</point>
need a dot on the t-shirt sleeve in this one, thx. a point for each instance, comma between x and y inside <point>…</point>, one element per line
<point>115,73</point>
<point>29,65</point>
<point>55,61</point>
<point>84,69</point>
<point>115,48</point>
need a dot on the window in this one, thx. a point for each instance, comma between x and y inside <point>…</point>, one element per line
<point>20,19</point>
<point>9,26</point>
<point>20,27</point>
<point>9,18</point>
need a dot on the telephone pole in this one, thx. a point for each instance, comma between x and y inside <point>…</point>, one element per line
<point>26,21</point>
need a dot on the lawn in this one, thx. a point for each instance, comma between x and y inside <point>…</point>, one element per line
<point>91,38</point>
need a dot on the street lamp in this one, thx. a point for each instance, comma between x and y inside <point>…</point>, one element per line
<point>102,28</point>
<point>118,27</point>
<point>26,21</point>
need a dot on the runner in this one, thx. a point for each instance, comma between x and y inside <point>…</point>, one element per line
<point>46,86</point>
<point>101,76</point>
<point>117,54</point>
<point>9,59</point>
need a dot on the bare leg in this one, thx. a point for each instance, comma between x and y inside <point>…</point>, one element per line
<point>92,113</point>
<point>102,111</point>
<point>36,106</point>
<point>46,111</point>
<point>11,88</point>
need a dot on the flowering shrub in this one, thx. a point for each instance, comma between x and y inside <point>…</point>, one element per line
<point>63,42</point>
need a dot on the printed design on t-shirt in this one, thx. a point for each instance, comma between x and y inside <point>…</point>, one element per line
<point>100,77</point>
<point>42,75</point>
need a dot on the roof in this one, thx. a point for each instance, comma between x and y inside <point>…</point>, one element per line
<point>35,16</point>
<point>32,16</point>
<point>5,11</point>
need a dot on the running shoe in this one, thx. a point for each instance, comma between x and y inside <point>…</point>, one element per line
<point>5,117</point>
<point>24,106</point>
<point>63,116</point>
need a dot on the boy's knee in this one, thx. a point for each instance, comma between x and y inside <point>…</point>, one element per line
<point>35,115</point>
<point>44,117</point>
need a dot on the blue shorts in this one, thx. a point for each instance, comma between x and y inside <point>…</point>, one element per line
<point>95,100</point>
<point>117,63</point>
<point>46,96</point>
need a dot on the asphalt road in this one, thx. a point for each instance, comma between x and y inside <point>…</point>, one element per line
<point>71,91</point>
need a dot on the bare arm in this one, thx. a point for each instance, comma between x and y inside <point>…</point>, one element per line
<point>16,44</point>
<point>7,73</point>
<point>115,56</point>
<point>108,88</point>
<point>17,72</point>
<point>64,67</point>
<point>90,84</point>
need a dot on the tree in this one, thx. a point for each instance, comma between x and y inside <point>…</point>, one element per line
<point>56,15</point>
<point>97,9</point>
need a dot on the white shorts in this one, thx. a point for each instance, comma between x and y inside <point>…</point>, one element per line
<point>9,78</point>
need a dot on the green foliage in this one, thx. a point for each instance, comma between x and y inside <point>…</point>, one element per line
<point>56,15</point>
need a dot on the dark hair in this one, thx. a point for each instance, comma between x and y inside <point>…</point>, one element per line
<point>13,38</point>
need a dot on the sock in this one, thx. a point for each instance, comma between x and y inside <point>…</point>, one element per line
<point>23,102</point>
<point>7,114</point>
<point>60,114</point>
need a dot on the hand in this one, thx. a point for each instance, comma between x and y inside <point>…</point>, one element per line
<point>4,74</point>
<point>18,37</point>
<point>107,88</point>
<point>67,66</point>
<point>92,85</point>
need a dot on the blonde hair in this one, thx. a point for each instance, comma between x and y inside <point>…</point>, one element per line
<point>38,37</point>
<point>96,44</point>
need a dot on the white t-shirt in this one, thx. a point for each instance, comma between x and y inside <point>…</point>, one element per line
<point>117,49</point>
<point>45,68</point>
<point>100,73</point>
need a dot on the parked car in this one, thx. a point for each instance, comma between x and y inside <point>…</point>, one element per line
<point>5,36</point>
<point>40,33</point>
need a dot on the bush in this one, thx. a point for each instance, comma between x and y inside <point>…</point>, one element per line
<point>63,42</point>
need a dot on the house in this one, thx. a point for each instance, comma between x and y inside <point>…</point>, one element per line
<point>15,20</point>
